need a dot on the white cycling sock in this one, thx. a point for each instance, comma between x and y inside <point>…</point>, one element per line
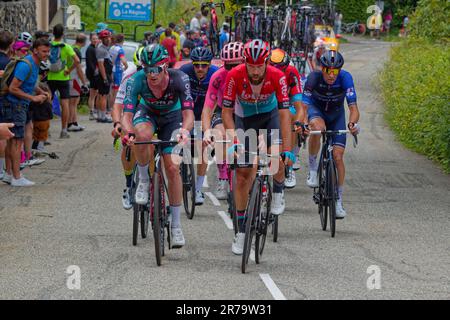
<point>143,173</point>
<point>199,183</point>
<point>175,212</point>
<point>313,166</point>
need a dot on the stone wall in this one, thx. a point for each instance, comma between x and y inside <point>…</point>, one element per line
<point>18,16</point>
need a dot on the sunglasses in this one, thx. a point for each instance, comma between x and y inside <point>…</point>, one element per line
<point>156,70</point>
<point>23,50</point>
<point>201,65</point>
<point>331,71</point>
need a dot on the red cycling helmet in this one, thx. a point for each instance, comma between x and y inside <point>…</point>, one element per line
<point>256,51</point>
<point>233,52</point>
<point>104,34</point>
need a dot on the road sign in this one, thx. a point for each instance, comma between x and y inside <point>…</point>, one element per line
<point>135,10</point>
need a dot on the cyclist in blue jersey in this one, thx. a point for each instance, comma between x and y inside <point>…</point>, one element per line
<point>200,72</point>
<point>119,64</point>
<point>165,102</point>
<point>324,95</point>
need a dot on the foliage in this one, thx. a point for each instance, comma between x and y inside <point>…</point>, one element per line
<point>416,90</point>
<point>431,21</point>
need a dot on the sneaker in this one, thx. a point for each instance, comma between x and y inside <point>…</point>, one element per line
<point>340,211</point>
<point>92,116</point>
<point>46,143</point>
<point>277,206</point>
<point>74,128</point>
<point>296,165</point>
<point>126,199</point>
<point>34,161</point>
<point>222,190</point>
<point>238,243</point>
<point>312,181</point>
<point>199,198</point>
<point>177,238</point>
<point>21,182</point>
<point>104,120</point>
<point>7,178</point>
<point>142,193</point>
<point>64,135</point>
<point>291,180</point>
<point>2,174</point>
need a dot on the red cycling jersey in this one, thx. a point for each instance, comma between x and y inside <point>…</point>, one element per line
<point>274,92</point>
<point>293,81</point>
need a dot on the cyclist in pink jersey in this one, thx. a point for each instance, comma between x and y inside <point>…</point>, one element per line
<point>231,55</point>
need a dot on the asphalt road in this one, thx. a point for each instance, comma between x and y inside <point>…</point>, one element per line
<point>398,224</point>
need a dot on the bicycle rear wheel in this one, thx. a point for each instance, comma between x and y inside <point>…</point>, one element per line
<point>145,215</point>
<point>157,213</point>
<point>188,178</point>
<point>135,223</point>
<point>332,195</point>
<point>265,220</point>
<point>250,226</point>
<point>231,203</point>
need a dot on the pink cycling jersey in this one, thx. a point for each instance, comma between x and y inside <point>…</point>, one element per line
<point>216,88</point>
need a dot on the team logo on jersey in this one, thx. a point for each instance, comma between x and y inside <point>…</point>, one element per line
<point>283,84</point>
<point>350,92</point>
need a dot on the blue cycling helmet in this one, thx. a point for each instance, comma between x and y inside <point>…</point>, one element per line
<point>332,59</point>
<point>201,54</point>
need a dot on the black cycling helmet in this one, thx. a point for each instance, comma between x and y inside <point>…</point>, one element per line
<point>332,59</point>
<point>201,54</point>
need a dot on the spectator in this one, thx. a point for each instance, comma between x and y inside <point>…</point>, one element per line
<point>403,29</point>
<point>119,65</point>
<point>204,19</point>
<point>175,35</point>
<point>103,74</point>
<point>159,30</point>
<point>224,37</point>
<point>338,22</point>
<point>6,40</point>
<point>387,22</point>
<point>15,106</point>
<point>20,49</point>
<point>41,114</point>
<point>198,42</point>
<point>183,37</point>
<point>170,44</point>
<point>91,65</point>
<point>61,57</point>
<point>204,39</point>
<point>195,22</point>
<point>78,84</point>
<point>188,45</point>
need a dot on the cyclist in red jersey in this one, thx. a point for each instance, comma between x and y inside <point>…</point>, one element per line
<point>257,95</point>
<point>299,115</point>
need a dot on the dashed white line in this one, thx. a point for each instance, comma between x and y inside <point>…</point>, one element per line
<point>213,199</point>
<point>226,219</point>
<point>274,290</point>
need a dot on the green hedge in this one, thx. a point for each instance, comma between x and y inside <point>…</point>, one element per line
<point>416,89</point>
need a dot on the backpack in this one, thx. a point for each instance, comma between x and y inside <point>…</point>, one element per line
<point>8,74</point>
<point>56,65</point>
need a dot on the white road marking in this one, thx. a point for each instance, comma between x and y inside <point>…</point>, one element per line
<point>226,219</point>
<point>213,199</point>
<point>274,290</point>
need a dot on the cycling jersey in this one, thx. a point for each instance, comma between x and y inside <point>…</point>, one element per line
<point>294,84</point>
<point>117,53</point>
<point>198,87</point>
<point>177,95</point>
<point>273,93</point>
<point>215,89</point>
<point>131,70</point>
<point>327,97</point>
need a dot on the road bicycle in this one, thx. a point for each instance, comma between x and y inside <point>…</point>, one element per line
<point>259,217</point>
<point>187,173</point>
<point>159,212</point>
<point>355,28</point>
<point>326,194</point>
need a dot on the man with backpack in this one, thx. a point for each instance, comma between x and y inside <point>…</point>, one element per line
<point>61,57</point>
<point>103,74</point>
<point>17,88</point>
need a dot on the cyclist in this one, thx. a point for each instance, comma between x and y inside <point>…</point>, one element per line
<point>165,102</point>
<point>280,60</point>
<point>200,72</point>
<point>232,55</point>
<point>116,115</point>
<point>262,93</point>
<point>324,95</point>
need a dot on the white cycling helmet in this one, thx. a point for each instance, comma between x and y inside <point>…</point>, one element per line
<point>44,66</point>
<point>25,37</point>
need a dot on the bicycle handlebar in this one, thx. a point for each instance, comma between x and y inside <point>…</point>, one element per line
<point>157,142</point>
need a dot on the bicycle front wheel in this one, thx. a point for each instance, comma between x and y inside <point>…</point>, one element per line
<point>188,177</point>
<point>157,213</point>
<point>332,195</point>
<point>250,226</point>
